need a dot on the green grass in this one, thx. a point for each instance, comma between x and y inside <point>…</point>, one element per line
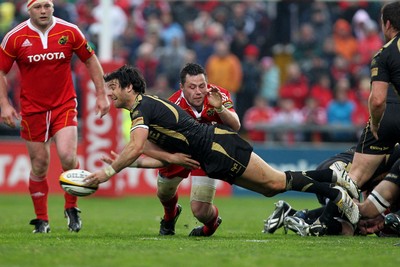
<point>120,232</point>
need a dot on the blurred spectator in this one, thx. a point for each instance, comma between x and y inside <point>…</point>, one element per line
<point>321,91</point>
<point>146,9</point>
<point>224,68</point>
<point>161,87</point>
<point>172,59</point>
<point>313,115</point>
<point>358,22</point>
<point>7,15</point>
<point>344,42</point>
<point>170,30</point>
<point>296,85</point>
<point>260,113</point>
<point>65,10</point>
<point>321,21</point>
<point>360,115</point>
<point>306,46</point>
<point>370,44</point>
<point>287,114</point>
<point>147,63</point>
<point>340,111</point>
<point>250,87</point>
<point>269,88</point>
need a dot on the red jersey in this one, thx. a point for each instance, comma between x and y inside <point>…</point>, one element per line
<point>44,61</point>
<point>207,115</point>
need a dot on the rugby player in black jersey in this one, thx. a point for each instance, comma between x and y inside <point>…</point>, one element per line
<point>221,152</point>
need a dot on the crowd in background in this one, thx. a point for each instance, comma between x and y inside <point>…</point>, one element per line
<point>284,62</point>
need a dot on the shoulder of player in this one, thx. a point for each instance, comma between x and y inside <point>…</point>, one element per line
<point>17,30</point>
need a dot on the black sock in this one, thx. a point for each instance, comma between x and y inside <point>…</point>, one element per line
<point>321,175</point>
<point>299,181</point>
<point>312,215</point>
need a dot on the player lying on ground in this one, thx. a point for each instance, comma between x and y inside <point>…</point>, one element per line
<point>327,219</point>
<point>221,152</point>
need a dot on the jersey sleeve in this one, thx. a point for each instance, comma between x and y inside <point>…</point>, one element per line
<point>379,71</point>
<point>6,61</point>
<point>81,46</point>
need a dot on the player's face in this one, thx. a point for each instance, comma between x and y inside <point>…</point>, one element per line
<point>41,15</point>
<point>195,90</point>
<point>118,95</point>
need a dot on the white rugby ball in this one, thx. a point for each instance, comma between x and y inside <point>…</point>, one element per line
<point>71,182</point>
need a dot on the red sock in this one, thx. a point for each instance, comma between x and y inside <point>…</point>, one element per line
<point>170,208</point>
<point>70,200</point>
<point>39,191</point>
<point>211,226</point>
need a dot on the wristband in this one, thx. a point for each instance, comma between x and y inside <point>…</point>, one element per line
<point>109,170</point>
<point>220,110</point>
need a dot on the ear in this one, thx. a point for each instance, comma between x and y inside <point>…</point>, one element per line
<point>388,25</point>
<point>129,88</point>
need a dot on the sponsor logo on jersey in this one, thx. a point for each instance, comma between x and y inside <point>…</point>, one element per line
<point>63,40</point>
<point>89,48</point>
<point>46,56</point>
<point>210,112</point>
<point>26,43</point>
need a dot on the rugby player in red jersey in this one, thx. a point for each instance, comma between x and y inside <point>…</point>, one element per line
<point>42,47</point>
<point>205,108</point>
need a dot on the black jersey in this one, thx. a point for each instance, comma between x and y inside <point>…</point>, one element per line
<point>385,66</point>
<point>222,153</point>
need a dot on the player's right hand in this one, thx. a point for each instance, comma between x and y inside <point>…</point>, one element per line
<point>9,115</point>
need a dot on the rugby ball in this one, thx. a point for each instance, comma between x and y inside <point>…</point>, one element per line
<point>71,182</point>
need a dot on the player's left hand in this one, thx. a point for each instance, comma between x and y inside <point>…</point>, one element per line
<point>96,178</point>
<point>102,105</point>
<point>214,96</point>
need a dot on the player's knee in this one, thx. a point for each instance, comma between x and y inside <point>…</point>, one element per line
<point>166,188</point>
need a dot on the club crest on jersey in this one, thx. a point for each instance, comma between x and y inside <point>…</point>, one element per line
<point>63,40</point>
<point>210,112</point>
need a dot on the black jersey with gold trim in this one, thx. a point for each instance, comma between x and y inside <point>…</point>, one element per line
<point>385,66</point>
<point>170,127</point>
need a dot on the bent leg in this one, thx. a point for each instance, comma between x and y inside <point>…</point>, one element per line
<point>363,167</point>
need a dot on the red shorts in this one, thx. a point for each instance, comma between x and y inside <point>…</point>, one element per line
<point>40,127</point>
<point>173,171</point>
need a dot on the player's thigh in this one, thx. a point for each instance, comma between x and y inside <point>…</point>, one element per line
<point>260,177</point>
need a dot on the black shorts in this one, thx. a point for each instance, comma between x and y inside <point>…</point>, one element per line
<point>228,157</point>
<point>388,133</point>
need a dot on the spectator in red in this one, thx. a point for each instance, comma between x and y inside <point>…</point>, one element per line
<point>147,63</point>
<point>260,113</point>
<point>322,91</point>
<point>313,114</point>
<point>296,85</point>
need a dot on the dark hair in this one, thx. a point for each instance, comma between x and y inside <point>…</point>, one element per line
<point>128,75</point>
<point>191,69</point>
<point>391,12</point>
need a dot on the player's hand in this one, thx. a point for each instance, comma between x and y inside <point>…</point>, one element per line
<point>109,160</point>
<point>214,96</point>
<point>184,161</point>
<point>371,226</point>
<point>102,105</point>
<point>96,178</point>
<point>9,115</point>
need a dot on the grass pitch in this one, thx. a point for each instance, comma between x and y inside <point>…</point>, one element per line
<point>120,232</point>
